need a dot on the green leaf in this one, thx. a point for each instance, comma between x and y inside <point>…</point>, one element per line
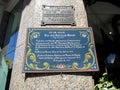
<point>101,79</point>
<point>105,74</point>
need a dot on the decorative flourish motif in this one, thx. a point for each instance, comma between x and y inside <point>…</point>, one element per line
<point>60,66</point>
<point>85,35</point>
<point>33,64</point>
<point>34,35</point>
<point>31,61</point>
<point>88,56</point>
<point>75,65</point>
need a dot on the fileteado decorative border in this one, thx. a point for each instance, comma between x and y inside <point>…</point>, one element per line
<point>60,50</point>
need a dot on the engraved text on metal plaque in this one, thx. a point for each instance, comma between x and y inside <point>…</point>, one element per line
<point>58,15</point>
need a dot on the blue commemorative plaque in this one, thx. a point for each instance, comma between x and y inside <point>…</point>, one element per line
<point>60,50</point>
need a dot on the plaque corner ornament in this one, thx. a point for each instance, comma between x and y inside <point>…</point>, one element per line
<point>33,63</point>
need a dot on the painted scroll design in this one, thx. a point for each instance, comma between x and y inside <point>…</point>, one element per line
<point>32,62</point>
<point>89,55</point>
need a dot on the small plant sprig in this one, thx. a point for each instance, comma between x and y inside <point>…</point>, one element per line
<point>105,84</point>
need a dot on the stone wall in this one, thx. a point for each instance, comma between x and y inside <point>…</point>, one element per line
<point>31,17</point>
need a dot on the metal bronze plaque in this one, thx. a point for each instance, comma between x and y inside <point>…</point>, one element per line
<point>58,15</point>
<point>60,50</point>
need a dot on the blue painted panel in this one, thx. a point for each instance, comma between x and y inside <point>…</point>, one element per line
<point>12,47</point>
<point>60,50</point>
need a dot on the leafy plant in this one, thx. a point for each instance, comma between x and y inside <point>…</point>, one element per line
<point>105,84</point>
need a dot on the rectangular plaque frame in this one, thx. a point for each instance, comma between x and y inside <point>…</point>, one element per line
<point>54,50</point>
<point>58,15</point>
